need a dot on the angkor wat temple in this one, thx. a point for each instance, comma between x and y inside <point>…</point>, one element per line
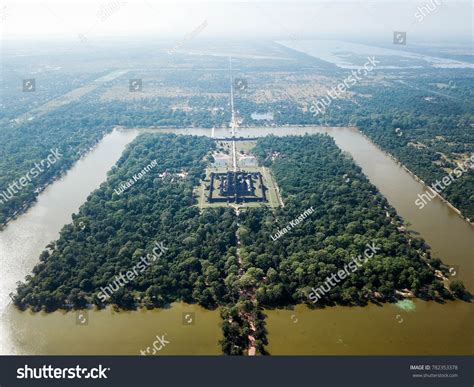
<point>237,187</point>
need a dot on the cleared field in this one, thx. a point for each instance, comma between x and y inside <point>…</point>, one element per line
<point>71,96</point>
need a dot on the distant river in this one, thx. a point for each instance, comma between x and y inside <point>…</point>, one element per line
<point>410,327</point>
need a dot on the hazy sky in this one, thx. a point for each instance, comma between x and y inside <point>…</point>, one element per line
<point>285,20</point>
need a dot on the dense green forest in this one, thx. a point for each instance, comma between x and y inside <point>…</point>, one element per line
<point>349,213</point>
<point>425,121</point>
<point>429,136</point>
<point>433,160</point>
<point>74,129</point>
<point>26,145</point>
<point>433,108</point>
<point>188,91</point>
<point>213,257</point>
<point>112,232</point>
<point>204,263</point>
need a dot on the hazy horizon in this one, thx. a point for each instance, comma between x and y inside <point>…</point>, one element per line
<point>349,20</point>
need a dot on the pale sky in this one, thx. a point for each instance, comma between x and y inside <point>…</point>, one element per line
<point>66,19</point>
